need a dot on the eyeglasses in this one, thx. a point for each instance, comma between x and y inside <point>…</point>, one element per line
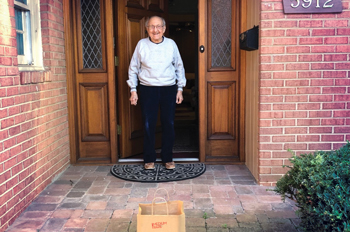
<point>152,27</point>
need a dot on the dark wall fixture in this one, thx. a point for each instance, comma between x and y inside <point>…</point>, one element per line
<point>249,40</point>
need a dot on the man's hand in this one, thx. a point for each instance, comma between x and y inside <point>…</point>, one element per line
<point>179,97</point>
<point>133,99</point>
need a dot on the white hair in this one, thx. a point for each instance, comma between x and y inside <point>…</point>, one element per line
<point>147,20</point>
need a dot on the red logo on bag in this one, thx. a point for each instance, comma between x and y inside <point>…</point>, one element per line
<point>158,225</point>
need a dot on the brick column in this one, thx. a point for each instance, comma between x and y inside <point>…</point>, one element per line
<point>304,85</point>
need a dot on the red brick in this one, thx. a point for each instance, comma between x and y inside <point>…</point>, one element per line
<point>334,90</point>
<point>285,138</point>
<point>342,82</point>
<point>265,42</point>
<point>335,57</point>
<point>272,15</point>
<point>333,105</point>
<point>341,129</point>
<point>320,146</point>
<point>297,66</point>
<point>309,106</point>
<point>320,130</point>
<point>265,59</point>
<point>323,32</point>
<point>271,162</point>
<point>267,99</point>
<point>322,66</point>
<point>272,50</point>
<point>320,114</point>
<point>270,131</point>
<point>283,91</point>
<point>285,24</point>
<point>7,122</point>
<point>310,23</point>
<point>313,74</point>
<point>334,74</point>
<point>343,48</point>
<point>296,98</point>
<point>332,138</point>
<point>266,115</point>
<point>342,114</point>
<point>284,75</point>
<point>332,122</point>
<point>9,143</point>
<point>6,81</point>
<point>321,98</point>
<point>342,98</point>
<point>284,58</point>
<point>320,82</point>
<point>264,139</point>
<point>297,83</point>
<point>298,49</point>
<point>295,130</point>
<point>308,122</point>
<point>283,122</point>
<point>336,23</point>
<point>298,32</point>
<point>271,67</point>
<point>286,106</point>
<point>342,66</point>
<point>310,58</point>
<point>296,114</point>
<point>7,61</point>
<point>285,41</point>
<point>343,31</point>
<point>308,138</point>
<point>337,40</point>
<point>279,170</point>
<point>283,154</point>
<point>310,41</point>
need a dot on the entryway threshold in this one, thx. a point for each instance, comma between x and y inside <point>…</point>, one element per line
<point>174,159</point>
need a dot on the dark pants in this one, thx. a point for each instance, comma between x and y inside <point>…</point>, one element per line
<point>151,98</point>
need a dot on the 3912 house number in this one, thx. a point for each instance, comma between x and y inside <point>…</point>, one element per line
<point>312,6</point>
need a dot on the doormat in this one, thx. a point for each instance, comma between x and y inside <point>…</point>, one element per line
<point>136,172</point>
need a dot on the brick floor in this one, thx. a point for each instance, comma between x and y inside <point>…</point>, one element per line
<point>88,198</point>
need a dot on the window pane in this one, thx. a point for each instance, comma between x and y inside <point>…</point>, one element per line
<point>20,48</point>
<point>19,20</point>
<point>22,1</point>
<point>221,33</point>
<point>91,33</point>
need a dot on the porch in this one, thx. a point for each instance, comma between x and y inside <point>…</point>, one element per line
<point>89,198</point>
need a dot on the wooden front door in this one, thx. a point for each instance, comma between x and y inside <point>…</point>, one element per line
<point>91,80</point>
<point>219,81</point>
<point>129,29</point>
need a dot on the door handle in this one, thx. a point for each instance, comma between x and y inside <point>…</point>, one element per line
<point>201,48</point>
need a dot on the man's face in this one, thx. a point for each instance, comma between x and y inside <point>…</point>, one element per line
<point>156,29</point>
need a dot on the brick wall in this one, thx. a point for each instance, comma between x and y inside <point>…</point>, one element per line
<point>304,85</point>
<point>34,142</point>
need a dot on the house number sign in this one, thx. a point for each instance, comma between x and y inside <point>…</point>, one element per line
<point>312,6</point>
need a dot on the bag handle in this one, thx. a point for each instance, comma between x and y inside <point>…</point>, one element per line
<point>161,189</point>
<point>166,203</point>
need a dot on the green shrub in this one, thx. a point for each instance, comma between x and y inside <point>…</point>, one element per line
<point>320,185</point>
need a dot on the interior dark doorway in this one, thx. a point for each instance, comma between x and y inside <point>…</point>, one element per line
<point>183,29</point>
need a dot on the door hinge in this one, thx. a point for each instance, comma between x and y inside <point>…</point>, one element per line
<point>116,61</point>
<point>119,130</point>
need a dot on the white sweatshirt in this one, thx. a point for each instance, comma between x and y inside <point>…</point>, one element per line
<point>156,65</point>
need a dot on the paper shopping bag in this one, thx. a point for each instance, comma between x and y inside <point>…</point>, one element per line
<point>166,216</point>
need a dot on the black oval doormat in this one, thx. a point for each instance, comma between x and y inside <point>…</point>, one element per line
<point>136,172</point>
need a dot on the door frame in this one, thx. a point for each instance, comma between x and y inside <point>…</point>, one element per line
<point>71,86</point>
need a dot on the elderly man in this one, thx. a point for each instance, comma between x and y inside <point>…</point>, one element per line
<point>157,64</point>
